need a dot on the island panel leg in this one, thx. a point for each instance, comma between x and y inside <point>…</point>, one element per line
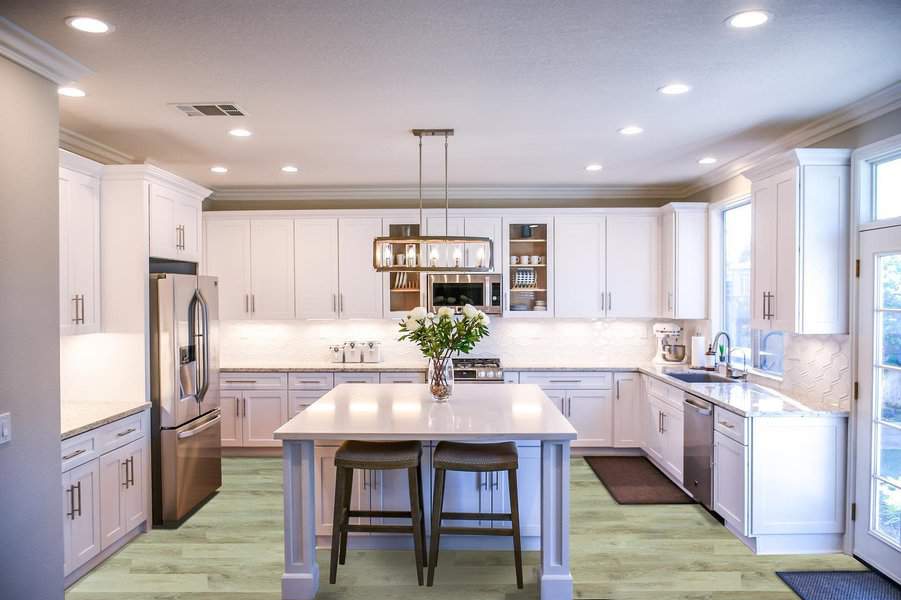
<point>300,580</point>
<point>555,581</point>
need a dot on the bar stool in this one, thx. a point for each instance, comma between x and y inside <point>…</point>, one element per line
<point>377,456</point>
<point>478,458</point>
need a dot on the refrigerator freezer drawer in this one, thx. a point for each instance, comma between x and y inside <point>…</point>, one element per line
<point>191,466</point>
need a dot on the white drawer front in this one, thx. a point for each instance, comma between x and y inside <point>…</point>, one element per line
<point>411,377</point>
<point>657,388</point>
<point>731,425</point>
<point>311,381</point>
<point>79,450</point>
<point>568,379</point>
<point>675,397</point>
<point>298,400</point>
<point>356,378</point>
<point>118,433</point>
<point>253,381</point>
<point>511,377</point>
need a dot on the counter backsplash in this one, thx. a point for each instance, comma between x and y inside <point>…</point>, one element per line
<point>534,342</point>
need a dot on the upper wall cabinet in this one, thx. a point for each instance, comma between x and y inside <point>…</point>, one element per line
<point>489,227</point>
<point>175,223</point>
<point>254,261</point>
<point>683,261</point>
<point>799,265</point>
<point>79,244</point>
<point>360,285</point>
<point>528,266</point>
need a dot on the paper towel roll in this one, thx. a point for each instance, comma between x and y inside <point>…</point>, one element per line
<point>698,349</point>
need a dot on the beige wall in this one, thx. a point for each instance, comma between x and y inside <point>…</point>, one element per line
<point>31,534</point>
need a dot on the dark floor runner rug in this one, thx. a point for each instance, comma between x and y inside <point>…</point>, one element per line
<point>840,585</point>
<point>635,480</point>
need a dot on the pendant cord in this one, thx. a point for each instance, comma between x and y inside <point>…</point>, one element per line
<point>446,202</point>
<point>421,226</point>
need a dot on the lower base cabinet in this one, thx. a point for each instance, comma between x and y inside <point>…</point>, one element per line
<point>81,515</point>
<point>730,472</point>
<point>664,436</point>
<point>250,416</point>
<point>123,497</point>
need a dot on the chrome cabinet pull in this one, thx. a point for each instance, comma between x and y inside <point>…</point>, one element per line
<point>564,381</point>
<point>77,487</point>
<point>603,301</point>
<point>253,303</point>
<point>246,302</point>
<point>727,424</point>
<point>609,301</point>
<point>75,300</point>
<point>237,407</point>
<point>71,493</point>
<point>125,483</point>
<point>131,469</point>
<point>241,381</point>
<point>334,303</point>
<point>126,432</point>
<point>243,407</point>
<point>341,303</point>
<point>74,454</point>
<point>772,310</point>
<point>617,390</point>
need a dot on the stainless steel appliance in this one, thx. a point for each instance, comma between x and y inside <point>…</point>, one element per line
<point>478,370</point>
<point>457,290</point>
<point>184,389</point>
<point>697,474</point>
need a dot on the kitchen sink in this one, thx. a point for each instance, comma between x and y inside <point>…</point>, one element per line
<point>702,378</point>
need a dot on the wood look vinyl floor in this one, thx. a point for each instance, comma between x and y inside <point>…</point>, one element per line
<point>232,550</point>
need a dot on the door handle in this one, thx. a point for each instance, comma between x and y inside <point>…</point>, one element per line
<point>617,390</point>
<point>341,303</point>
<point>334,303</point>
<point>603,301</point>
<point>237,406</point>
<point>199,429</point>
<point>131,469</point>
<point>243,406</point>
<point>126,432</point>
<point>77,487</point>
<point>125,483</point>
<point>71,493</point>
<point>74,454</point>
<point>253,303</point>
<point>726,424</point>
<point>609,301</point>
<point>247,303</point>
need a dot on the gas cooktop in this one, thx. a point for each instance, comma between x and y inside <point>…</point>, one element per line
<point>478,370</point>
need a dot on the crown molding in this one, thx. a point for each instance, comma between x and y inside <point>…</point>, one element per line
<point>155,174</point>
<point>461,192</point>
<point>865,109</point>
<point>84,146</point>
<point>36,55</point>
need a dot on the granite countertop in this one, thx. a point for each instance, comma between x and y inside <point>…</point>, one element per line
<point>78,417</point>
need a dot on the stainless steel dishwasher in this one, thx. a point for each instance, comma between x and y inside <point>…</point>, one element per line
<point>698,445</point>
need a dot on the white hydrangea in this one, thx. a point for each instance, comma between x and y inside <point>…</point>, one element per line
<point>469,311</point>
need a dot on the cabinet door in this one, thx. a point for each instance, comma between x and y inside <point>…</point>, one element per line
<point>263,412</point>
<point>730,476</point>
<point>528,479</point>
<point>764,208</point>
<point>83,523</point>
<point>786,260</point>
<point>690,283</point>
<point>360,285</point>
<point>558,397</point>
<point>113,478</point>
<point>626,415</point>
<point>162,222</point>
<point>187,226</point>
<point>272,268</point>
<point>653,431</point>
<point>316,268</point>
<point>668,265</point>
<point>468,493</point>
<point>134,497</point>
<point>227,257</point>
<point>591,413</point>
<point>489,227</point>
<point>579,251</point>
<point>79,203</point>
<point>325,491</point>
<point>632,266</point>
<point>230,409</point>
<point>389,490</point>
<point>673,435</point>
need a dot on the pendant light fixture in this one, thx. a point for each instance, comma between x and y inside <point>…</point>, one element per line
<point>433,253</point>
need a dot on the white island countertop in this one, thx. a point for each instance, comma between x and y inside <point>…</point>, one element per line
<point>362,411</point>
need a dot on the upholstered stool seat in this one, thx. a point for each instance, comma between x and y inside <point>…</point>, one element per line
<point>457,456</point>
<point>378,455</point>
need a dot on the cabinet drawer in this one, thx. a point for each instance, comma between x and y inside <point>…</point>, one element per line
<point>298,400</point>
<point>410,377</point>
<point>675,397</point>
<point>79,450</point>
<point>656,388</point>
<point>570,380</point>
<point>356,378</point>
<point>731,425</point>
<point>511,377</point>
<point>253,381</point>
<point>118,433</point>
<point>311,381</point>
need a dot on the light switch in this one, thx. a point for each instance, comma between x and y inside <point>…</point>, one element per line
<point>6,428</point>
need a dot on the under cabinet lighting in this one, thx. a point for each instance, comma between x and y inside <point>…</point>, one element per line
<point>88,25</point>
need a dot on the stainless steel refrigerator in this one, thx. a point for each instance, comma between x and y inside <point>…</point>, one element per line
<point>184,388</point>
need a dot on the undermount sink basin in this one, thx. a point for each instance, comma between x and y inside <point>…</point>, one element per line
<point>701,378</point>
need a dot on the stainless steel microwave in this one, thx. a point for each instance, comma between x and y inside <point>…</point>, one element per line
<point>456,290</point>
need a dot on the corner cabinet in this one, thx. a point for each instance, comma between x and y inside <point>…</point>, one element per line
<point>800,244</point>
<point>79,244</point>
<point>683,261</point>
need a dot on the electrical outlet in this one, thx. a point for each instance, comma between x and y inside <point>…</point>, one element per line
<point>6,428</point>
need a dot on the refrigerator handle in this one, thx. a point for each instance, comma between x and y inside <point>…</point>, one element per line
<point>205,313</point>
<point>199,338</point>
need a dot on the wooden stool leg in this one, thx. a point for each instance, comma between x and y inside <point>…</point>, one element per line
<point>514,513</point>
<point>348,492</point>
<point>337,521</point>
<point>437,505</point>
<point>425,548</point>
<point>413,484</point>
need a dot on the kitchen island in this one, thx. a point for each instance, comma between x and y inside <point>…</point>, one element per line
<point>380,412</point>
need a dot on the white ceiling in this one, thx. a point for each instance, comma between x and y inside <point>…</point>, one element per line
<point>535,89</point>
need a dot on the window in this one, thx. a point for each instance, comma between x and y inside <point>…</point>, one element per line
<point>887,184</point>
<point>762,350</point>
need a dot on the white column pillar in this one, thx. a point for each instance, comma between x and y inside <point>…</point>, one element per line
<point>555,582</point>
<point>301,578</point>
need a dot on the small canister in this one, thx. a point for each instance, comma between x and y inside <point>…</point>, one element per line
<point>337,353</point>
<point>353,352</point>
<point>372,352</point>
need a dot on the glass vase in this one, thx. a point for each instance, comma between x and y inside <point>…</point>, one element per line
<point>441,379</point>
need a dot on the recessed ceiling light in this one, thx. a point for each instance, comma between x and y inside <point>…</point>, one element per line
<point>674,89</point>
<point>240,132</point>
<point>631,130</point>
<point>594,167</point>
<point>218,169</point>
<point>707,160</point>
<point>290,169</point>
<point>71,91</point>
<point>88,25</point>
<point>748,18</point>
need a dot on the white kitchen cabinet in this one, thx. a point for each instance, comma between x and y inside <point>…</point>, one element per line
<point>81,515</point>
<point>591,413</point>
<point>325,492</point>
<point>272,268</point>
<point>632,271</point>
<point>300,400</point>
<point>227,257</point>
<point>491,228</point>
<point>401,292</point>
<point>653,443</point>
<point>580,285</point>
<point>316,268</point>
<point>262,412</point>
<point>664,422</point>
<point>232,423</point>
<point>360,285</point>
<point>673,441</point>
<point>730,483</point>
<point>627,416</point>
<point>528,289</point>
<point>799,266</point>
<point>683,261</point>
<point>79,245</point>
<point>122,493</point>
<point>175,224</point>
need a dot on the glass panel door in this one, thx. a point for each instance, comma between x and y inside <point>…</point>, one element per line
<point>404,289</point>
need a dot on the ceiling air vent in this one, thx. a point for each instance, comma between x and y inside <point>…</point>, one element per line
<point>209,109</point>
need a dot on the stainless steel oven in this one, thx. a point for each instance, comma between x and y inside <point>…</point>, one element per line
<point>456,290</point>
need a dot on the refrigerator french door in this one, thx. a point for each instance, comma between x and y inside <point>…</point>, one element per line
<point>184,357</point>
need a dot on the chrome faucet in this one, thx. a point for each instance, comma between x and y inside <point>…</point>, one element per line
<point>729,371</point>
